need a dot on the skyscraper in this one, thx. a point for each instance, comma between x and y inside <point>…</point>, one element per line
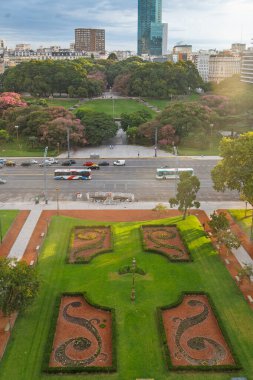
<point>90,40</point>
<point>152,34</point>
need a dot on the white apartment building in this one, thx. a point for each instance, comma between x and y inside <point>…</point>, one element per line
<point>247,66</point>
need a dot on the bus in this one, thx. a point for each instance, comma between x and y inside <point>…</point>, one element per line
<point>72,174</point>
<point>171,173</point>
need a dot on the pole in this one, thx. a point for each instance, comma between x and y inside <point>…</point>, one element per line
<point>45,175</point>
<point>251,228</point>
<point>1,231</point>
<point>57,200</point>
<point>176,176</point>
<point>113,108</point>
<point>133,280</point>
<point>156,142</point>
<point>68,142</point>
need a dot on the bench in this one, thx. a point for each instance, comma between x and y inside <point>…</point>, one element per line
<point>227,261</point>
<point>31,262</point>
<point>42,234</point>
<point>250,298</point>
<point>237,278</point>
<point>37,248</point>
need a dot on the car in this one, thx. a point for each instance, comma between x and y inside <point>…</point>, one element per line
<point>34,161</point>
<point>52,160</point>
<point>26,163</point>
<point>88,163</point>
<point>94,167</point>
<point>66,163</point>
<point>103,163</point>
<point>120,163</point>
<point>45,163</point>
<point>73,162</point>
<point>1,165</point>
<point>10,163</point>
<point>2,181</point>
<point>2,160</point>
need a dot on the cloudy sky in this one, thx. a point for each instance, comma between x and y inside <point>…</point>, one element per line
<point>203,23</point>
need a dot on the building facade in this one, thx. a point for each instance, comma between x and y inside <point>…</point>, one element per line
<point>90,40</point>
<point>152,33</point>
<point>247,66</point>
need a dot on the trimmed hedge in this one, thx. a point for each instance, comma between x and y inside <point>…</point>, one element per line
<point>49,343</point>
<point>222,368</point>
<point>84,260</point>
<point>160,252</point>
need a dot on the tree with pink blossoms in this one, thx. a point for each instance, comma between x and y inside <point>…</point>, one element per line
<point>11,99</point>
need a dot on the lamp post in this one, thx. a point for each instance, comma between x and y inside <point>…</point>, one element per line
<point>17,127</point>
<point>1,231</point>
<point>68,143</point>
<point>211,142</point>
<point>58,148</point>
<point>251,228</point>
<point>133,279</point>
<point>176,173</point>
<point>113,108</point>
<point>156,142</point>
<point>57,200</point>
<point>45,175</point>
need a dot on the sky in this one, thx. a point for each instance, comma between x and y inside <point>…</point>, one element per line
<point>204,24</point>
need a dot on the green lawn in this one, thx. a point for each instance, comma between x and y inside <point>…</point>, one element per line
<point>6,219</point>
<point>114,106</point>
<point>244,218</point>
<point>67,103</point>
<point>139,353</point>
<point>22,149</point>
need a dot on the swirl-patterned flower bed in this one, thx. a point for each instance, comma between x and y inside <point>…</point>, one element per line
<point>165,240</point>
<point>82,339</point>
<point>87,242</point>
<point>193,338</point>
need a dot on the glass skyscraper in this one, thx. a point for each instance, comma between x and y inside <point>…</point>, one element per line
<point>150,27</point>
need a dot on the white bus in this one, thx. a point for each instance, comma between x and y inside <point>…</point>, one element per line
<point>72,174</point>
<point>171,173</point>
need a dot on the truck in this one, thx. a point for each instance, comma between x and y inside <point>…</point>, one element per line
<point>120,163</point>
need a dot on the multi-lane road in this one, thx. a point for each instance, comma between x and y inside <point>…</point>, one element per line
<point>137,177</point>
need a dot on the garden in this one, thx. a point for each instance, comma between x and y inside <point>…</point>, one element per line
<point>200,290</point>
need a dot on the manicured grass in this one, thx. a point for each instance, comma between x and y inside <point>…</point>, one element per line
<point>67,103</point>
<point>163,103</point>
<point>114,106</point>
<point>6,219</point>
<point>138,343</point>
<point>21,149</point>
<point>243,218</point>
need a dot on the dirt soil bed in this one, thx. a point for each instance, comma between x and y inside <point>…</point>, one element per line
<point>83,336</point>
<point>87,242</point>
<point>165,240</point>
<point>193,335</point>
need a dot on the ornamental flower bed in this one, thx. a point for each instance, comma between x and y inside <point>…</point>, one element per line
<point>165,240</point>
<point>193,335</point>
<point>87,242</point>
<point>83,337</point>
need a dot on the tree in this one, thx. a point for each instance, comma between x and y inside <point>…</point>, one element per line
<point>18,285</point>
<point>218,222</point>
<point>113,57</point>
<point>228,239</point>
<point>246,272</point>
<point>234,171</point>
<point>187,189</point>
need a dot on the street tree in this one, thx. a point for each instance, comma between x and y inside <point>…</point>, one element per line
<point>246,272</point>
<point>19,285</point>
<point>218,222</point>
<point>228,239</point>
<point>234,171</point>
<point>187,189</point>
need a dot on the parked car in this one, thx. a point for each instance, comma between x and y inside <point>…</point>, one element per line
<point>2,181</point>
<point>2,160</point>
<point>120,163</point>
<point>10,163</point>
<point>88,163</point>
<point>66,163</point>
<point>103,163</point>
<point>34,161</point>
<point>1,165</point>
<point>73,162</point>
<point>26,163</point>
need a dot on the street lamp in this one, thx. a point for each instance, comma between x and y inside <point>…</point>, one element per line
<point>57,200</point>
<point>45,175</point>
<point>133,279</point>
<point>1,231</point>
<point>68,143</point>
<point>156,142</point>
<point>175,152</point>
<point>17,127</point>
<point>211,142</point>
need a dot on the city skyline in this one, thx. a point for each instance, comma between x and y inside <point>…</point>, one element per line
<point>205,25</point>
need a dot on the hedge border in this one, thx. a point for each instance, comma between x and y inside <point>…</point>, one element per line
<point>51,333</point>
<point>108,250</point>
<point>163,339</point>
<point>157,251</point>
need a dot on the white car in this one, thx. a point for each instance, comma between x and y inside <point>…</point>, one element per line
<point>52,160</point>
<point>34,162</point>
<point>45,163</point>
<point>120,163</point>
<point>2,181</point>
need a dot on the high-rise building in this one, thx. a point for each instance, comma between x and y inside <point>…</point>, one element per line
<point>90,40</point>
<point>152,34</point>
<point>247,66</point>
